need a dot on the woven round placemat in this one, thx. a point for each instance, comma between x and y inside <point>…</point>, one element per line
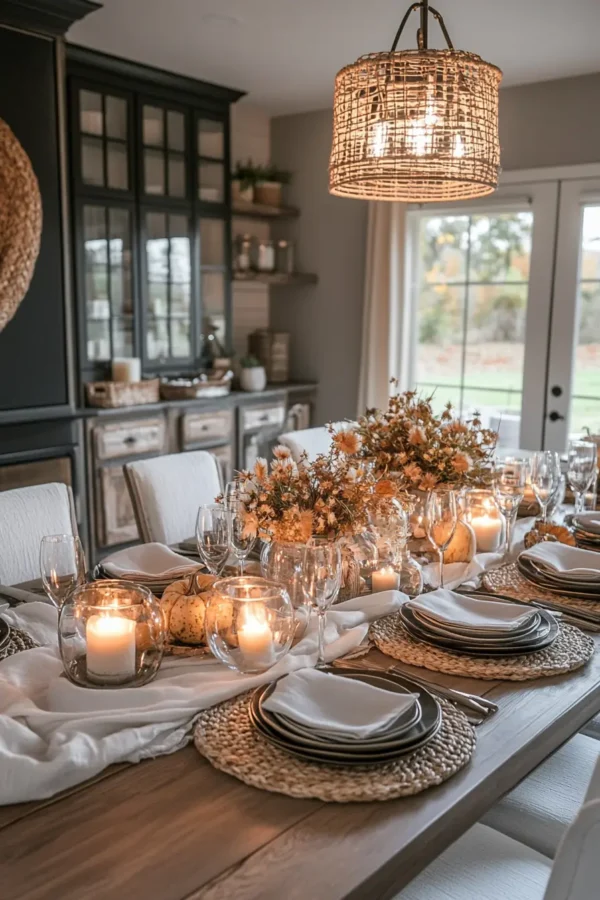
<point>571,650</point>
<point>20,223</point>
<point>509,581</point>
<point>225,736</point>
<point>17,641</point>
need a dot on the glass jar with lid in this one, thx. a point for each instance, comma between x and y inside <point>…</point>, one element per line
<point>265,256</point>
<point>243,252</point>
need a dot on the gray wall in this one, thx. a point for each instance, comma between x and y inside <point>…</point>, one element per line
<point>545,124</point>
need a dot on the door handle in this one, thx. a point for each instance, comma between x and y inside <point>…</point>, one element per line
<point>555,416</point>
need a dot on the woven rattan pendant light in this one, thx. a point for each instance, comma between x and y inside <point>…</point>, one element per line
<point>416,125</point>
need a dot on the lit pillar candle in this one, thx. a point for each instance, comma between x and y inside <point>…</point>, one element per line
<point>488,531</point>
<point>385,579</point>
<point>110,647</point>
<point>256,640</point>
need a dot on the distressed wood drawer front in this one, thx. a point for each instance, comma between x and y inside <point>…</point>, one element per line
<point>129,438</point>
<point>209,426</point>
<point>257,417</point>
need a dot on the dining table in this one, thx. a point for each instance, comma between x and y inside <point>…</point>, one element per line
<point>175,828</point>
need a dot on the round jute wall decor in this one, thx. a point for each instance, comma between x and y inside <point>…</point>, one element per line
<point>20,223</point>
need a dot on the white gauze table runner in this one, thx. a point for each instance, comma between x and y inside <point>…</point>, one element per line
<point>54,734</point>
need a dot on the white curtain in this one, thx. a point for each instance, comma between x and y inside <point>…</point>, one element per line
<point>385,328</point>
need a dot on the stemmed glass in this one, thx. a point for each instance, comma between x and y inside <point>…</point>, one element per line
<point>62,565</point>
<point>212,536</point>
<point>580,472</point>
<point>545,475</point>
<point>321,580</point>
<point>510,481</point>
<point>441,515</point>
<point>240,541</point>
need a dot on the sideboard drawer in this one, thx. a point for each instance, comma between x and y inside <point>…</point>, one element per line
<point>200,428</point>
<point>129,438</point>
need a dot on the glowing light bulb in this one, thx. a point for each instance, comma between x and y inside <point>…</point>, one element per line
<point>459,147</point>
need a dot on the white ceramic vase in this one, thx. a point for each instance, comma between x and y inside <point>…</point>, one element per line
<point>253,379</point>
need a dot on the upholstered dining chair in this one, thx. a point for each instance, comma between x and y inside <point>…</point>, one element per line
<point>485,863</point>
<point>26,515</point>
<point>166,492</point>
<point>311,441</point>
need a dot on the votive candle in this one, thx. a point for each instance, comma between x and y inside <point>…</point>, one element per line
<point>110,647</point>
<point>385,579</point>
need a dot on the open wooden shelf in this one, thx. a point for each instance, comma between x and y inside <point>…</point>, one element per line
<point>275,278</point>
<point>260,211</point>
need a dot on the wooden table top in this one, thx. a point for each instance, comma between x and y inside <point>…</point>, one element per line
<point>175,828</point>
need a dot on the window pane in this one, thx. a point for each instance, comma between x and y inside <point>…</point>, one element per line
<point>91,120</point>
<point>175,130</point>
<point>500,247</point>
<point>153,126</point>
<point>92,161</point>
<point>117,166</point>
<point>176,176</point>
<point>210,176</point>
<point>116,118</point>
<point>440,335</point>
<point>443,244</point>
<point>154,172</point>
<point>212,242</point>
<point>210,138</point>
<point>496,336</point>
<point>585,408</point>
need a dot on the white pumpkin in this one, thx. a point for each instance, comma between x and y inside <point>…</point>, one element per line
<point>184,607</point>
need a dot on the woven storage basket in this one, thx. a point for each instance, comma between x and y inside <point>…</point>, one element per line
<point>112,394</point>
<point>20,223</point>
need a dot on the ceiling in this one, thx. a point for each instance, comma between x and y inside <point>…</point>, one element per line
<point>285,53</point>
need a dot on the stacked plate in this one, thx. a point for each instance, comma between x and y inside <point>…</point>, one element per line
<point>509,632</point>
<point>586,529</point>
<point>412,729</point>
<point>4,633</point>
<point>574,572</point>
<point>156,585</point>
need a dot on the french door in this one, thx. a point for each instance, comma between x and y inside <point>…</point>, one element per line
<point>503,300</point>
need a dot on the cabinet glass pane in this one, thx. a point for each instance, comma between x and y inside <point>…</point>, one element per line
<point>120,262</point>
<point>116,166</point>
<point>180,265</point>
<point>97,304</point>
<point>157,256</point>
<point>175,130</point>
<point>92,161</point>
<point>213,300</point>
<point>157,343</point>
<point>212,242</point>
<point>154,172</point>
<point>122,336</point>
<point>211,138</point>
<point>181,338</point>
<point>153,126</point>
<point>91,120</point>
<point>210,177</point>
<point>116,118</point>
<point>176,175</point>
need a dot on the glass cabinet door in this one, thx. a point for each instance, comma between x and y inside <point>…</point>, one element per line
<point>107,265</point>
<point>164,160</point>
<point>168,286</point>
<point>214,277</point>
<point>103,126</point>
<point>211,160</point>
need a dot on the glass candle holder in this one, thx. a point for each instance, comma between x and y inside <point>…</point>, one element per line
<point>249,623</point>
<point>111,634</point>
<point>481,512</point>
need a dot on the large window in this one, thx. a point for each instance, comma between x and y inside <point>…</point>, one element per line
<point>585,397</point>
<point>469,300</point>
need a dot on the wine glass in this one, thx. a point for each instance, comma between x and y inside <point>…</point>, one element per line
<point>231,494</point>
<point>321,580</point>
<point>510,481</point>
<point>62,565</point>
<point>441,518</point>
<point>580,471</point>
<point>212,536</point>
<point>240,541</point>
<point>545,475</point>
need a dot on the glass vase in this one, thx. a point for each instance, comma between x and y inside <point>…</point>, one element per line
<point>281,561</point>
<point>111,634</point>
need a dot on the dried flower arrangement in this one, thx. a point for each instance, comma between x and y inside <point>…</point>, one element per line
<point>424,450</point>
<point>329,497</point>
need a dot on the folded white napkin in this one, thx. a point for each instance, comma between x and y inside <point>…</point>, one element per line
<point>589,521</point>
<point>151,562</point>
<point>337,705</point>
<point>449,608</point>
<point>54,734</point>
<point>565,563</point>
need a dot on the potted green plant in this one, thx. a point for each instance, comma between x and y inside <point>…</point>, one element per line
<point>253,376</point>
<point>269,183</point>
<point>242,182</point>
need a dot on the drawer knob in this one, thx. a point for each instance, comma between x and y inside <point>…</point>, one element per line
<point>130,440</point>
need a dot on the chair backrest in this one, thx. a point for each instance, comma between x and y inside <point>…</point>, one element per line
<point>576,869</point>
<point>26,515</point>
<point>311,441</point>
<point>166,492</point>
